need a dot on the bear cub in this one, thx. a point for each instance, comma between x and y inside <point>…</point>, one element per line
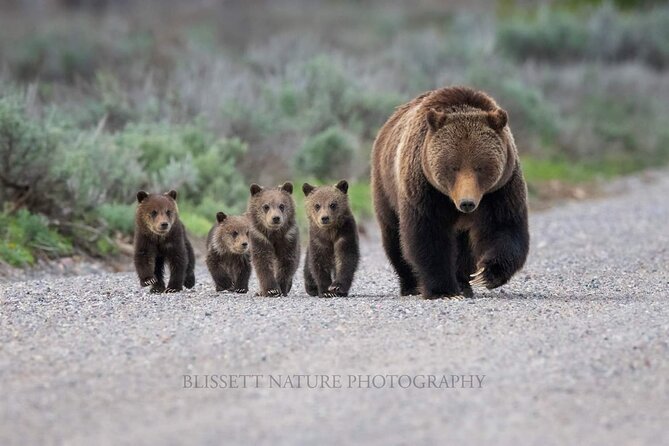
<point>228,253</point>
<point>275,244</point>
<point>160,237</point>
<point>333,253</point>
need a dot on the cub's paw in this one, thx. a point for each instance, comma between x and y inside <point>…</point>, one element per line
<point>334,290</point>
<point>274,292</point>
<point>158,288</point>
<point>443,296</point>
<point>173,290</point>
<point>148,282</point>
<point>241,290</point>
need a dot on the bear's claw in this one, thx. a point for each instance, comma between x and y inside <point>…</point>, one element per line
<point>171,290</point>
<point>478,278</point>
<point>241,290</point>
<point>151,281</point>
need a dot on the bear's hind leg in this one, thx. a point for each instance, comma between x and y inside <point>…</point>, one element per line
<point>390,234</point>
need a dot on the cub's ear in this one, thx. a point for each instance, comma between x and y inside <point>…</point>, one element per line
<point>435,119</point>
<point>172,194</point>
<point>497,119</point>
<point>220,217</point>
<point>307,189</point>
<point>342,186</point>
<point>255,189</point>
<point>288,187</point>
<point>141,195</point>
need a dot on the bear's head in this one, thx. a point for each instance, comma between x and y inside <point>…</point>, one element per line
<point>157,212</point>
<point>326,205</point>
<point>272,208</point>
<point>468,154</point>
<point>232,234</point>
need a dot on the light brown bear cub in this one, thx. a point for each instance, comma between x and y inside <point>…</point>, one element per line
<point>160,237</point>
<point>228,253</point>
<point>333,252</point>
<point>275,241</point>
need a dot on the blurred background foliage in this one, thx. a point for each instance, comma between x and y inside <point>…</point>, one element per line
<point>99,99</point>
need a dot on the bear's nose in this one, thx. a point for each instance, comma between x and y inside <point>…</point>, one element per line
<point>164,225</point>
<point>276,220</point>
<point>325,219</point>
<point>245,244</point>
<point>467,205</point>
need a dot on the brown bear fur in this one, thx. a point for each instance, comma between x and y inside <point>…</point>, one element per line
<point>161,237</point>
<point>228,253</point>
<point>275,238</point>
<point>333,253</point>
<point>449,194</point>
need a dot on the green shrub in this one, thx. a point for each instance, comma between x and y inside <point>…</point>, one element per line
<point>28,153</point>
<point>24,236</point>
<point>326,155</point>
<point>118,217</point>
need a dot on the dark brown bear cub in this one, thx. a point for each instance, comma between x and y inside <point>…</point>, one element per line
<point>275,244</point>
<point>449,194</point>
<point>161,237</point>
<point>228,253</point>
<point>333,253</point>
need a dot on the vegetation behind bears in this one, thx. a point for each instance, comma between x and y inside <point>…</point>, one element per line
<point>99,99</point>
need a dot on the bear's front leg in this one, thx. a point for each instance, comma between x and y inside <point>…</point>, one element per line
<point>500,236</point>
<point>178,265</point>
<point>242,281</point>
<point>347,255</point>
<point>428,244</point>
<point>145,264</point>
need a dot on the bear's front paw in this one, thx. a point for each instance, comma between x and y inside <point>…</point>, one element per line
<point>273,292</point>
<point>148,281</point>
<point>335,290</point>
<point>490,275</point>
<point>173,289</point>
<point>158,288</point>
<point>241,290</point>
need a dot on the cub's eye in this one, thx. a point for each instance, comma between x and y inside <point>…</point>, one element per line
<point>235,234</point>
<point>333,206</point>
<point>169,213</point>
<point>317,207</point>
<point>455,169</point>
<point>265,207</point>
<point>247,233</point>
<point>282,207</point>
<point>478,169</point>
<point>154,214</point>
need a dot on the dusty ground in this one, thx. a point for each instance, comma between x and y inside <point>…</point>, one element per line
<point>575,350</point>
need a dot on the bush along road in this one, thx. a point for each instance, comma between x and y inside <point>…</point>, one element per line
<point>574,349</point>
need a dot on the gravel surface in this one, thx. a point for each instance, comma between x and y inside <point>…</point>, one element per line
<point>574,351</point>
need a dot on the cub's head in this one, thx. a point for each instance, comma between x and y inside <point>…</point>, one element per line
<point>326,205</point>
<point>468,154</point>
<point>157,212</point>
<point>272,208</point>
<point>231,234</point>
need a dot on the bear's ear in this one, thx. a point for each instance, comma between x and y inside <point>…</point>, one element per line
<point>435,119</point>
<point>255,189</point>
<point>342,186</point>
<point>141,196</point>
<point>307,189</point>
<point>497,119</point>
<point>172,194</point>
<point>288,187</point>
<point>220,217</point>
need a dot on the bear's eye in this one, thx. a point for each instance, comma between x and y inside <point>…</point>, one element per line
<point>282,207</point>
<point>169,213</point>
<point>247,233</point>
<point>333,206</point>
<point>235,234</point>
<point>455,169</point>
<point>478,169</point>
<point>154,214</point>
<point>317,207</point>
<point>265,207</point>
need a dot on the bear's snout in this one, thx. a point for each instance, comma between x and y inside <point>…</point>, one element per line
<point>467,205</point>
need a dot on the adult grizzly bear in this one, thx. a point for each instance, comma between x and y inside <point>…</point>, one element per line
<point>449,194</point>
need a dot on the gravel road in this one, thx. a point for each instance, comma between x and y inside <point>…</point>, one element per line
<point>575,350</point>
